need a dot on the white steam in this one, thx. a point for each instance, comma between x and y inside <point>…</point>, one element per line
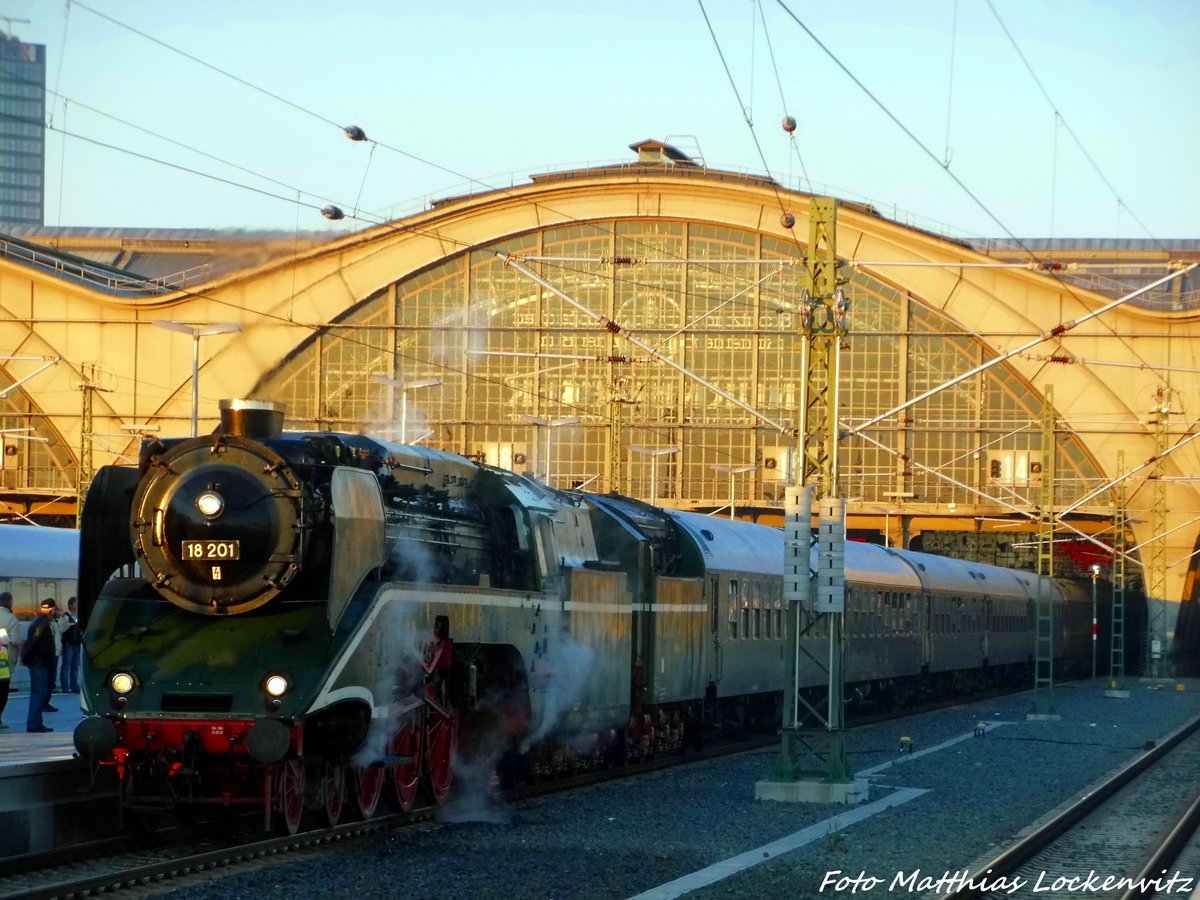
<point>412,558</point>
<point>563,673</point>
<point>474,796</point>
<point>396,655</point>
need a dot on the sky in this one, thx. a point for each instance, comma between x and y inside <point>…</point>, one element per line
<point>1101,139</point>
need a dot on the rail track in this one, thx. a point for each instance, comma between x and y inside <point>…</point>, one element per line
<point>130,863</point>
<point>109,866</point>
<point>1117,840</point>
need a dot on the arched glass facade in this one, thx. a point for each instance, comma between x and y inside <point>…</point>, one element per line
<point>719,301</point>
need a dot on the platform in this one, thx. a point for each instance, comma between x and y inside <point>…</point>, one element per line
<point>17,746</point>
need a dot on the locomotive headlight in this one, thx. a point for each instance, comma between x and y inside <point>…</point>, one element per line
<point>276,685</point>
<point>121,683</point>
<point>211,504</point>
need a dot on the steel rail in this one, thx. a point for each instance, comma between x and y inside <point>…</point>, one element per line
<point>1168,851</point>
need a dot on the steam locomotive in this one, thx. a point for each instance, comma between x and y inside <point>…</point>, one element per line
<point>309,622</point>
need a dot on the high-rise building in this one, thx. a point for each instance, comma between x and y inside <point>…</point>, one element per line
<point>22,132</point>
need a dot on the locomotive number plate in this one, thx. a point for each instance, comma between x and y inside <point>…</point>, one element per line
<point>205,551</point>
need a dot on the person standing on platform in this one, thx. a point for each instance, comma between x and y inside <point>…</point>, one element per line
<point>10,648</point>
<point>38,657</point>
<point>68,674</point>
<point>57,626</point>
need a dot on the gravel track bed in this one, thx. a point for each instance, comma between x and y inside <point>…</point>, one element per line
<point>623,838</point>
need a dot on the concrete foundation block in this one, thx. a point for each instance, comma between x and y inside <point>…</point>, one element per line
<point>843,793</point>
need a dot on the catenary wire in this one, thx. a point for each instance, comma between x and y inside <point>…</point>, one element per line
<point>279,98</point>
<point>325,119</point>
<point>750,125</point>
<point>782,99</point>
<point>920,144</point>
<point>1062,120</point>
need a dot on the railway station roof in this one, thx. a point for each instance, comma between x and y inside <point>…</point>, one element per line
<point>698,263</point>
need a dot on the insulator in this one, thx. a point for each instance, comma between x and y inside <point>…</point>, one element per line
<point>623,260</point>
<point>1062,358</point>
<point>618,359</point>
<point>1047,266</point>
<point>787,220</point>
<point>789,124</point>
<point>613,327</point>
<point>355,133</point>
<point>333,213</point>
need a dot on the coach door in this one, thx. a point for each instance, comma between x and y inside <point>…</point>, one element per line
<point>714,625</point>
<point>986,639</point>
<point>932,623</point>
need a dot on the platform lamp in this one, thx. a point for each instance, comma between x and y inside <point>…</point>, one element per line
<point>196,332</point>
<point>404,387</point>
<point>654,453</point>
<point>732,471</point>
<point>1095,575</point>
<point>549,424</point>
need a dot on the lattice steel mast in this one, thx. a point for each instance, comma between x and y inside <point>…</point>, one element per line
<point>824,327</point>
<point>1043,666</point>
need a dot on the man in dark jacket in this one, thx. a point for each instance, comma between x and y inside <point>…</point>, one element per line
<point>39,658</point>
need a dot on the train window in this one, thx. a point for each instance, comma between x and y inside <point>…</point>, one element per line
<point>779,626</point>
<point>767,624</point>
<point>745,622</point>
<point>758,622</point>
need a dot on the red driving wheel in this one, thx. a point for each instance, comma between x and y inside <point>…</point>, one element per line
<point>406,774</point>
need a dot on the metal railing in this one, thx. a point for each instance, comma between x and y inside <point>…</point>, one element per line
<point>95,276</point>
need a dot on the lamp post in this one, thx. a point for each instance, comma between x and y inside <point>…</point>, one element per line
<point>548,424</point>
<point>887,524</point>
<point>733,470</point>
<point>654,453</point>
<point>1095,575</point>
<point>404,387</point>
<point>196,332</point>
